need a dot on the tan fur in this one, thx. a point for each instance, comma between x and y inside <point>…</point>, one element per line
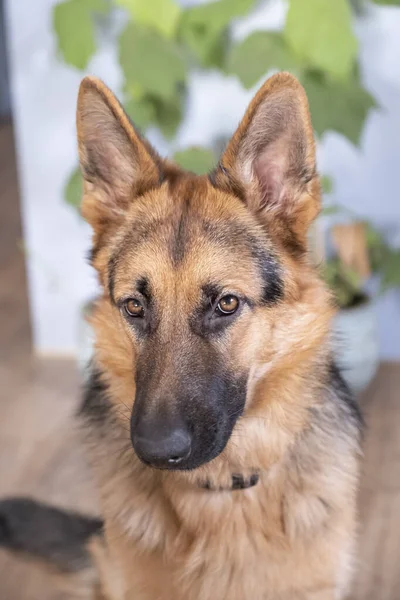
<point>291,536</point>
<point>25,576</point>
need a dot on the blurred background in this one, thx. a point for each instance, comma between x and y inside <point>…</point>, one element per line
<point>185,72</point>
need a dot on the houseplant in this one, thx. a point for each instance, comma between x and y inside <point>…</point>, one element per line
<point>162,43</point>
<point>360,266</point>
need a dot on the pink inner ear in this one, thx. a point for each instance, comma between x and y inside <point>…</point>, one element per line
<point>270,168</point>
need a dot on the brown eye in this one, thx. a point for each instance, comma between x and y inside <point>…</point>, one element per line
<point>133,308</point>
<point>228,305</point>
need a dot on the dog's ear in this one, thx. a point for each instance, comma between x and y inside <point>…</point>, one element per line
<point>116,162</point>
<point>271,158</point>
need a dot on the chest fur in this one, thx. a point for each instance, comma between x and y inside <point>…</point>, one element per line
<point>269,541</point>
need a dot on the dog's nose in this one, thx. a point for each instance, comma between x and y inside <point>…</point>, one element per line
<point>162,446</point>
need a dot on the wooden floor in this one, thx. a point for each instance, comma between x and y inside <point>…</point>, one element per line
<point>39,455</point>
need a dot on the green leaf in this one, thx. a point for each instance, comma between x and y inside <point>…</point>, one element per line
<point>261,51</point>
<point>378,249</point>
<point>387,2</point>
<point>208,46</point>
<point>195,159</point>
<point>99,6</point>
<point>148,109</point>
<point>327,187</point>
<point>338,106</point>
<point>142,111</point>
<point>353,277</point>
<point>150,61</point>
<point>74,31</point>
<point>343,281</point>
<point>383,259</point>
<point>374,238</point>
<point>216,15</point>
<point>162,15</point>
<point>133,90</point>
<point>391,270</point>
<point>168,114</point>
<point>74,189</point>
<point>320,32</point>
<point>204,28</point>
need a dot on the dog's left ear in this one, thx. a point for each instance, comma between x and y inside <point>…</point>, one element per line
<point>271,158</point>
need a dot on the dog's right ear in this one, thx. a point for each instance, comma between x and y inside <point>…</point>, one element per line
<point>116,163</point>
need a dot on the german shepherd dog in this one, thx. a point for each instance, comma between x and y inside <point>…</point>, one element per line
<point>223,441</point>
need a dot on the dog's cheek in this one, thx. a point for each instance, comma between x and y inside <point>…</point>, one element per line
<point>115,351</point>
<point>253,350</point>
<point>248,341</point>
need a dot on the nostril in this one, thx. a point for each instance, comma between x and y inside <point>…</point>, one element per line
<point>160,448</point>
<point>174,460</point>
<point>180,454</point>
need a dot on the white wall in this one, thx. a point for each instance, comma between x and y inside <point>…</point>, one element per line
<point>44,95</point>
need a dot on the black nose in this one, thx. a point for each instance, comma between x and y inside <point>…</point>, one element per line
<point>162,445</point>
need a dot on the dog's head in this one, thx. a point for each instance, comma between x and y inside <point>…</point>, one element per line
<point>207,290</point>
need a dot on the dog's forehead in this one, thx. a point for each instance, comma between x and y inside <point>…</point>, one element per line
<point>178,216</point>
<point>189,234</point>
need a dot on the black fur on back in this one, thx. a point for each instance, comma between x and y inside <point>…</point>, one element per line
<point>55,535</point>
<point>345,396</point>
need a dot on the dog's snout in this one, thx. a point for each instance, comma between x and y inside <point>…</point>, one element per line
<point>161,444</point>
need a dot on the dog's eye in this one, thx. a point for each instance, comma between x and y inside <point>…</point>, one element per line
<point>133,308</point>
<point>227,305</point>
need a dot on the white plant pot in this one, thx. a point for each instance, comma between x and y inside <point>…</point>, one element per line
<point>356,345</point>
